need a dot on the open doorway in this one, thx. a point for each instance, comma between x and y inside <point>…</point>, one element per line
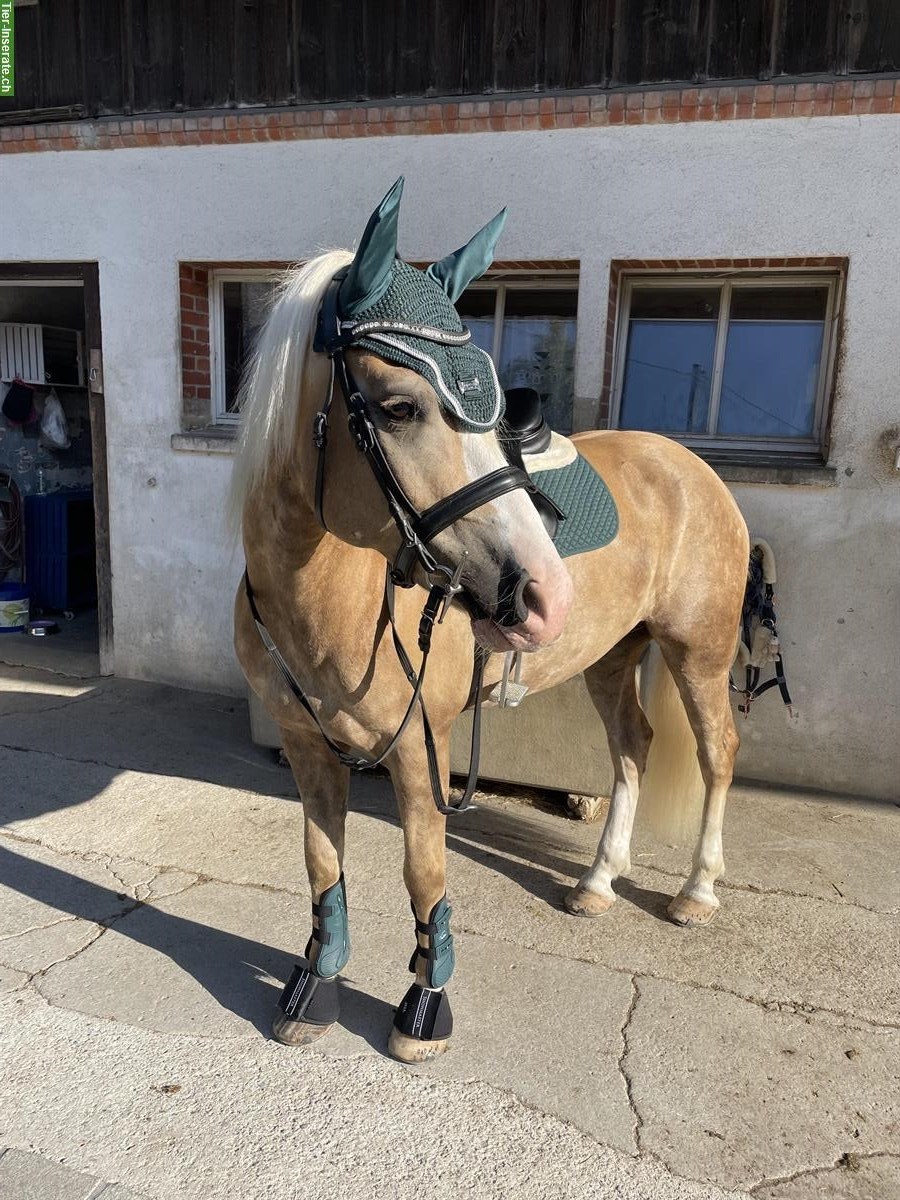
<point>55,609</point>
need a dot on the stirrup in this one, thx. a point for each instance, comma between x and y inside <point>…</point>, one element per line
<point>509,693</point>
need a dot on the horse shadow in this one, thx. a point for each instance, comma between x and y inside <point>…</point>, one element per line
<point>513,843</point>
<point>155,729</point>
<point>238,972</point>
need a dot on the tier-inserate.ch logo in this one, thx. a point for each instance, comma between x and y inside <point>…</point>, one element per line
<point>7,48</point>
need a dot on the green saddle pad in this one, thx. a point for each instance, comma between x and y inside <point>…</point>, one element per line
<point>592,519</point>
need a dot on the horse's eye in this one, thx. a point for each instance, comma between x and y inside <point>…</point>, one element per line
<point>401,410</point>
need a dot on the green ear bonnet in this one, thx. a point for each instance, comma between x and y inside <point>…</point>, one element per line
<point>407,316</point>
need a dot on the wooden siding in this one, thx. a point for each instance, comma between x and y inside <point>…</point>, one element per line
<point>102,57</point>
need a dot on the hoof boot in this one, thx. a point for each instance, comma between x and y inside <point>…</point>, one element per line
<point>308,1008</point>
<point>422,1026</point>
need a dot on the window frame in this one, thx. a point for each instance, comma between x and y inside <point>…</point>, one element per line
<point>740,448</point>
<point>545,281</point>
<point>504,279</point>
<point>217,277</point>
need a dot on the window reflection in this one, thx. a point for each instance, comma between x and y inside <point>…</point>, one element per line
<point>667,376</point>
<point>245,306</point>
<point>537,342</point>
<point>771,378</point>
<point>774,347</point>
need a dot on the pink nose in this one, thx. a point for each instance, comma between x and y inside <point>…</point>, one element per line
<point>548,607</point>
<point>547,601</point>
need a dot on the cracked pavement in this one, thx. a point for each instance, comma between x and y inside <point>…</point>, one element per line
<point>153,901</point>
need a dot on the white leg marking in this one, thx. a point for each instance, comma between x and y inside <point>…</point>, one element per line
<point>709,863</point>
<point>614,852</point>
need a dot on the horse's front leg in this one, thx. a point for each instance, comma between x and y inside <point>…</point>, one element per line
<point>310,1002</point>
<point>423,1022</point>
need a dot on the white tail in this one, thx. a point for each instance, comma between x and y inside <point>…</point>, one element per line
<point>670,801</point>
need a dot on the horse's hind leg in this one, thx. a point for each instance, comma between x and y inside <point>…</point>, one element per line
<point>703,684</point>
<point>309,1004</point>
<point>613,688</point>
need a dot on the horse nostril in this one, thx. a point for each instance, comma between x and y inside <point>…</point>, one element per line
<point>511,608</point>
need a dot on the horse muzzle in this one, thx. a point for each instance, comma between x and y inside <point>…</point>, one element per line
<point>530,614</point>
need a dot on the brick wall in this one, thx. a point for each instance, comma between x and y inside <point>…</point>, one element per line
<point>196,382</point>
<point>754,101</point>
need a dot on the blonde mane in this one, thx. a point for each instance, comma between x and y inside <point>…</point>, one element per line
<point>272,384</point>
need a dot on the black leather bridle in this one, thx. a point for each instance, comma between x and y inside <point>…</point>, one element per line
<point>417,529</point>
<point>333,337</point>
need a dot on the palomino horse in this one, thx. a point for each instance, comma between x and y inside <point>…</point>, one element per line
<point>313,633</point>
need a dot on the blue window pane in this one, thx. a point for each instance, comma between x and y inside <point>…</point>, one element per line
<point>770,378</point>
<point>539,352</point>
<point>482,330</point>
<point>668,370</point>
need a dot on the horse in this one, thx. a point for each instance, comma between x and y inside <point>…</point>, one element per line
<point>315,629</point>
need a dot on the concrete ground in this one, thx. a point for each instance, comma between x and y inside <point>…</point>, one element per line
<point>154,900</point>
<point>72,651</point>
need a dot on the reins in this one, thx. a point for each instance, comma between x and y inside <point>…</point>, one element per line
<point>361,762</point>
<point>333,337</point>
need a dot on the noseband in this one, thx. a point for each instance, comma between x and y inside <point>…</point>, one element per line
<point>333,337</point>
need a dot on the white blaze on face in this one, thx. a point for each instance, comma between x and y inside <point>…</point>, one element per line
<point>514,514</point>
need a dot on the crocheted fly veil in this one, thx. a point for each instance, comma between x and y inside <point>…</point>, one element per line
<point>426,334</point>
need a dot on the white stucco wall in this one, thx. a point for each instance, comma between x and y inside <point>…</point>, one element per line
<point>825,186</point>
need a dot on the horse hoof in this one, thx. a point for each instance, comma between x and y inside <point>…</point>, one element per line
<point>413,1050</point>
<point>582,903</point>
<point>688,911</point>
<point>296,1033</point>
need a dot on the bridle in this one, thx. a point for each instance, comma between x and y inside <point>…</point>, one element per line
<point>417,529</point>
<point>334,337</point>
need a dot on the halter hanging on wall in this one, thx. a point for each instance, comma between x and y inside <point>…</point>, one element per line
<point>759,643</point>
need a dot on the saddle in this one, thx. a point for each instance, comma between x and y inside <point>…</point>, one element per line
<point>591,519</point>
<point>524,420</point>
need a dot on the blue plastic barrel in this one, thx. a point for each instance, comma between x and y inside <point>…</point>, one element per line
<point>13,607</point>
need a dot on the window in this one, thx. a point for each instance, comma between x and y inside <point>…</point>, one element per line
<point>733,365</point>
<point>528,328</point>
<point>239,304</point>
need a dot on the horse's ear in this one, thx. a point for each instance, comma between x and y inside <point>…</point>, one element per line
<point>455,272</point>
<point>369,274</point>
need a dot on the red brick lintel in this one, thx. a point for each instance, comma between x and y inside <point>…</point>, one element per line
<point>844,97</point>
